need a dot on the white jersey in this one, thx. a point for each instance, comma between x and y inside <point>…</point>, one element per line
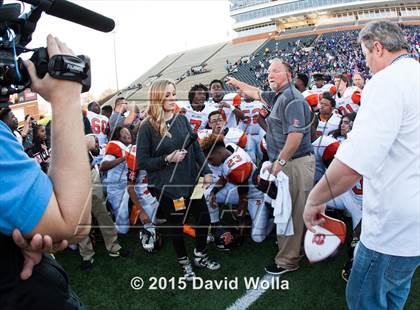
<point>233,135</point>
<point>99,124</point>
<point>251,110</point>
<point>325,88</point>
<point>234,100</point>
<point>325,148</point>
<point>197,119</point>
<point>350,101</point>
<point>326,127</point>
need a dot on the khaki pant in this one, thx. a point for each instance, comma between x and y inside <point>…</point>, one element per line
<point>105,222</point>
<point>301,173</point>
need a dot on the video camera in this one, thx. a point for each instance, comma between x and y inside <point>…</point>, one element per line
<point>16,32</point>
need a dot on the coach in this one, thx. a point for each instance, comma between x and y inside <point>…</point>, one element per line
<point>384,148</point>
<point>289,150</point>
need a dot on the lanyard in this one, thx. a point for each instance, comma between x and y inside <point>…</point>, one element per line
<point>401,57</point>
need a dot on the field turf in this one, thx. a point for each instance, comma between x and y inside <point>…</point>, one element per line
<point>317,286</point>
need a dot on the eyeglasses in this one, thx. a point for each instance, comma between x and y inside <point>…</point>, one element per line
<point>215,121</point>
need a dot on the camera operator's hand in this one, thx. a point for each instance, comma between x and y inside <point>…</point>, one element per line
<point>32,250</point>
<point>49,88</point>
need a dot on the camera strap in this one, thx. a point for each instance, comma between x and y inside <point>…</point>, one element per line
<point>72,68</point>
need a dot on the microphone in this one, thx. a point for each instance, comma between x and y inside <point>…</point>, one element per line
<point>74,13</point>
<point>193,138</point>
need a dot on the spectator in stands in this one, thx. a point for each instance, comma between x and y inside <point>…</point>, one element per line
<point>358,80</point>
<point>289,150</point>
<point>118,117</point>
<point>386,127</point>
<point>107,111</point>
<point>174,172</point>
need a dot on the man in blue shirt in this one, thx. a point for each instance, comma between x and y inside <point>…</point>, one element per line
<point>45,209</point>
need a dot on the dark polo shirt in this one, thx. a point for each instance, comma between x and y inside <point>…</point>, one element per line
<point>289,113</point>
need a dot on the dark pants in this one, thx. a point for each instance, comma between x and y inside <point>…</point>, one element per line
<point>47,288</point>
<point>176,219</point>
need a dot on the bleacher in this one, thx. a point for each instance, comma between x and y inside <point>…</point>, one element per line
<point>175,66</point>
<point>245,72</point>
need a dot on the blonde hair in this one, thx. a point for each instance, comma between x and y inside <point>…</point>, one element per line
<point>155,113</point>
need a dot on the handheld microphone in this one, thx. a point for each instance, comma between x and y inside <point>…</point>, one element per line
<point>74,13</point>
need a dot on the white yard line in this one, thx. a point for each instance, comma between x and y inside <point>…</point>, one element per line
<point>250,296</point>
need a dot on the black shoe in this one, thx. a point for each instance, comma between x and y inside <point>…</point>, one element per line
<point>87,265</point>
<point>345,273</point>
<point>277,270</point>
<point>120,253</point>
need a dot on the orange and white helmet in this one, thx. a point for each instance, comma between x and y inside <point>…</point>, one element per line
<point>328,237</point>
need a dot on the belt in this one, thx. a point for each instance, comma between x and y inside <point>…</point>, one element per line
<point>302,155</point>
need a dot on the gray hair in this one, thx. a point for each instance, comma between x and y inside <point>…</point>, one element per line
<point>390,35</point>
<point>284,63</point>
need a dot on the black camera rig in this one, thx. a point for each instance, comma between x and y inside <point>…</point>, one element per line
<point>16,31</point>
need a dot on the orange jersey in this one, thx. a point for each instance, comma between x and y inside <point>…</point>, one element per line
<point>116,149</point>
<point>238,167</point>
<point>311,97</point>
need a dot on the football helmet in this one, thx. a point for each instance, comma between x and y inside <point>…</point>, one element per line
<point>150,240</point>
<point>226,238</point>
<point>325,242</point>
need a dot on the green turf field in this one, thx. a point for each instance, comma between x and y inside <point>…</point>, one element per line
<point>317,286</point>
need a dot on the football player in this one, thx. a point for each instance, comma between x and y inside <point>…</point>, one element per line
<point>236,169</point>
<point>218,127</point>
<point>144,204</point>
<point>251,108</point>
<point>98,122</point>
<point>348,98</point>
<point>114,164</point>
<point>328,117</point>
<point>196,109</point>
<point>228,104</point>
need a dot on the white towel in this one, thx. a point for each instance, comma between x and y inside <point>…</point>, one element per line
<point>283,203</point>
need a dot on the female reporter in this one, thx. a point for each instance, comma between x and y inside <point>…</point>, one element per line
<point>174,166</point>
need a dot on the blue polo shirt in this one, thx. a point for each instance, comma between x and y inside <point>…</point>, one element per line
<point>24,189</point>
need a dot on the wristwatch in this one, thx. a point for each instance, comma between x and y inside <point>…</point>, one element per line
<point>282,162</point>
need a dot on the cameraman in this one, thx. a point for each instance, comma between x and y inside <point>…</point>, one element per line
<point>46,209</point>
